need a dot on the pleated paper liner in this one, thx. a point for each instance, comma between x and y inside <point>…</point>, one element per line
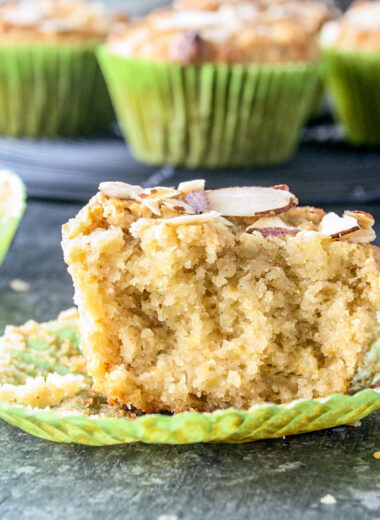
<point>353,81</point>
<point>211,115</point>
<point>52,90</point>
<point>9,222</point>
<point>41,349</point>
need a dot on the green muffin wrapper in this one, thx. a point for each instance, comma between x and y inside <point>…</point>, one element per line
<point>80,422</point>
<point>211,115</point>
<point>52,90</point>
<point>9,225</point>
<point>353,81</point>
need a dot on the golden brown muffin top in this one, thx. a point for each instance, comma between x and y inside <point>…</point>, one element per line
<point>357,29</point>
<point>227,31</point>
<point>55,20</point>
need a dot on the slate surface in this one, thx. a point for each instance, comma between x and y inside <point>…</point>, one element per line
<point>267,480</point>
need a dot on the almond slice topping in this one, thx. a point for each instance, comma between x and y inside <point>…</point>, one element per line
<point>191,219</point>
<point>120,190</point>
<point>271,227</point>
<point>337,227</point>
<point>363,236</point>
<point>198,200</point>
<point>158,193</point>
<point>178,205</point>
<point>250,201</point>
<point>365,220</point>
<point>196,184</point>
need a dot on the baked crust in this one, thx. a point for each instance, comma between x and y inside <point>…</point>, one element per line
<point>250,31</point>
<point>54,21</point>
<point>358,29</point>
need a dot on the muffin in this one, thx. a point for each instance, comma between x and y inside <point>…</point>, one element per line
<point>216,83</point>
<point>352,56</point>
<point>12,207</point>
<point>194,299</point>
<point>50,81</point>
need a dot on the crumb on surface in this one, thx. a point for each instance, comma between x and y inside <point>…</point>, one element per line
<point>328,500</point>
<point>19,286</point>
<point>377,455</point>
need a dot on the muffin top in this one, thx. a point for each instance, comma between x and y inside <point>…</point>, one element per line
<point>357,29</point>
<point>227,31</point>
<point>55,20</point>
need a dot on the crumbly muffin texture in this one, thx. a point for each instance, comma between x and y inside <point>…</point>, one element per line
<point>248,31</point>
<point>55,21</point>
<point>358,29</point>
<point>202,300</point>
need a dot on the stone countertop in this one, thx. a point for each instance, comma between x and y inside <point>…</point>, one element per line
<point>274,479</point>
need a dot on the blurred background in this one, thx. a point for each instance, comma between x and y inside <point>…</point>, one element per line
<point>137,7</point>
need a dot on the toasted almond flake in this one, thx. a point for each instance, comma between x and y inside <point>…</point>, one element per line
<point>273,221</point>
<point>191,219</point>
<point>19,286</point>
<point>365,220</point>
<point>196,184</point>
<point>328,500</point>
<point>336,227</point>
<point>250,201</point>
<point>158,193</point>
<point>273,231</point>
<point>363,236</point>
<point>178,205</point>
<point>120,190</point>
<point>153,205</point>
<point>283,187</point>
<point>198,200</point>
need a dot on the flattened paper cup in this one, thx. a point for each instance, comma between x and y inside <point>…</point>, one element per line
<point>210,115</point>
<point>52,90</point>
<point>36,350</point>
<point>10,219</point>
<point>353,81</point>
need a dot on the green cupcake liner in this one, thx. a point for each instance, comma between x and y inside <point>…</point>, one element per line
<point>75,420</point>
<point>52,90</point>
<point>212,115</point>
<point>353,81</point>
<point>9,223</point>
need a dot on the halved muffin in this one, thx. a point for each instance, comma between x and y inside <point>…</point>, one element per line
<point>202,300</point>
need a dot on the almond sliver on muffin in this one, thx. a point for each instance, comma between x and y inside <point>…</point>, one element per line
<point>195,299</point>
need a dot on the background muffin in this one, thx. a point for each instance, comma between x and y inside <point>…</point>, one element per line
<point>50,82</point>
<point>210,83</point>
<point>352,54</point>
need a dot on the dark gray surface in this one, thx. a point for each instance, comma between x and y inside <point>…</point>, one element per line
<point>278,479</point>
<point>324,170</point>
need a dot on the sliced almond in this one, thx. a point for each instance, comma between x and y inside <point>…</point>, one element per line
<point>273,231</point>
<point>196,184</point>
<point>272,226</point>
<point>153,205</point>
<point>365,220</point>
<point>119,190</point>
<point>191,219</point>
<point>178,205</point>
<point>272,221</point>
<point>283,187</point>
<point>250,201</point>
<point>337,227</point>
<point>363,236</point>
<point>198,200</point>
<point>158,193</point>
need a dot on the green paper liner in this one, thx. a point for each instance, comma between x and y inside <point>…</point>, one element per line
<point>211,115</point>
<point>9,224</point>
<point>87,419</point>
<point>353,81</point>
<point>52,90</point>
